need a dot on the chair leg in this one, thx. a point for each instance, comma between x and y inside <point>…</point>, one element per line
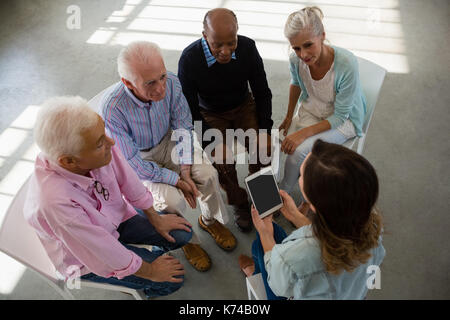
<point>361,144</point>
<point>249,290</point>
<point>67,295</point>
<point>59,287</point>
<point>139,295</point>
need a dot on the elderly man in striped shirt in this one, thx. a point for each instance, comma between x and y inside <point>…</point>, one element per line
<point>141,113</point>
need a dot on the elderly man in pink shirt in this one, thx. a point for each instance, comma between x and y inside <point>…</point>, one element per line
<point>82,199</point>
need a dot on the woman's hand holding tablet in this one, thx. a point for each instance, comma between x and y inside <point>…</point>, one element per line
<point>264,192</point>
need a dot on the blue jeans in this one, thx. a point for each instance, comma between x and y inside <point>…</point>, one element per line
<point>258,257</point>
<point>295,160</point>
<point>138,230</point>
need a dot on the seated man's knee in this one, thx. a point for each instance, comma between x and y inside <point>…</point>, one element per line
<point>174,202</point>
<point>222,154</point>
<point>209,173</point>
<point>181,237</point>
<point>206,175</point>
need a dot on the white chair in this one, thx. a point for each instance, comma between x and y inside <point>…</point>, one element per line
<point>95,102</point>
<point>20,241</point>
<point>255,287</point>
<point>371,77</point>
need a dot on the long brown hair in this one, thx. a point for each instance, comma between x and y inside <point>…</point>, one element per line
<point>343,188</point>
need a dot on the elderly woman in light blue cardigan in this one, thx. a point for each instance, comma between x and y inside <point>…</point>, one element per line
<point>325,81</point>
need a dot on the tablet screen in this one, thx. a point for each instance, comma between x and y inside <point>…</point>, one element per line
<point>264,192</point>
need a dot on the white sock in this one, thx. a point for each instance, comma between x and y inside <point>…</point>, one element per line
<point>206,221</point>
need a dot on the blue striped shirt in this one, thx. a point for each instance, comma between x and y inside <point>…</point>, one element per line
<point>210,60</point>
<point>137,125</point>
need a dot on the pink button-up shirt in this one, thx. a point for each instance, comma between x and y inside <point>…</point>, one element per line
<point>76,225</point>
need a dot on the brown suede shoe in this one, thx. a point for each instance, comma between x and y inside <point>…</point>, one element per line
<point>246,264</point>
<point>223,237</point>
<point>197,257</point>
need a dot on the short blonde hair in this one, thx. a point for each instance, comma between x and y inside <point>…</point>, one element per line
<point>136,51</point>
<point>306,18</point>
<point>59,125</point>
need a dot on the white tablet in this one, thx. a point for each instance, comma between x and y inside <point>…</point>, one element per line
<point>264,192</point>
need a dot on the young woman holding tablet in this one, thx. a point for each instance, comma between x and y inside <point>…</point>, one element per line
<point>329,256</point>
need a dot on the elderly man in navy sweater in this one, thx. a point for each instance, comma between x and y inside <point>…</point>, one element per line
<point>215,73</point>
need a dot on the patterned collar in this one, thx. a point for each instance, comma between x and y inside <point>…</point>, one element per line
<point>138,102</point>
<point>210,60</point>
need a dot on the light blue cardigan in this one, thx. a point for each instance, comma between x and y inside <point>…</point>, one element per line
<point>350,102</point>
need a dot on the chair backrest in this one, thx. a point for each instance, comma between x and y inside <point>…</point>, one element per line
<point>371,76</point>
<point>95,102</point>
<point>20,241</point>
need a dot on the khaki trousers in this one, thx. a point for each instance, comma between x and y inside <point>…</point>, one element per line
<point>171,199</point>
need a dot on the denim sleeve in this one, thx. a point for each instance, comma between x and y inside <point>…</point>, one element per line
<point>295,270</point>
<point>280,276</point>
<point>313,286</point>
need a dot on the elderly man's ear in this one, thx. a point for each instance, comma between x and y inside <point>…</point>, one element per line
<point>67,162</point>
<point>127,83</point>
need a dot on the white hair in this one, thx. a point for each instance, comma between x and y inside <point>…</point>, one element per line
<point>306,18</point>
<point>59,125</point>
<point>137,51</point>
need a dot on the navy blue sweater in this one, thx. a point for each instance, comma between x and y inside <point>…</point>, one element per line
<point>223,87</point>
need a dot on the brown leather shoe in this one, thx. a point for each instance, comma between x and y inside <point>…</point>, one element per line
<point>223,237</point>
<point>246,264</point>
<point>197,257</point>
<point>243,219</point>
